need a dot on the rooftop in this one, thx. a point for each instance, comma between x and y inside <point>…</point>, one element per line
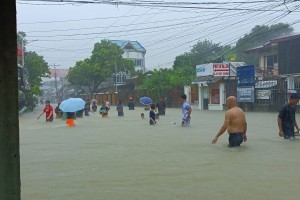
<point>272,43</point>
<point>135,44</point>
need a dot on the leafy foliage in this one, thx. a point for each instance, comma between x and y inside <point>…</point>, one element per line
<point>258,36</point>
<point>37,68</point>
<point>156,84</point>
<point>202,52</point>
<point>160,81</point>
<point>100,67</point>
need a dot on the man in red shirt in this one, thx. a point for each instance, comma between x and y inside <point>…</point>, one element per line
<point>49,112</point>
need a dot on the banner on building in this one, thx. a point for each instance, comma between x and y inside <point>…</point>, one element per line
<point>246,75</point>
<point>245,94</point>
<point>263,94</point>
<point>204,70</point>
<point>221,69</point>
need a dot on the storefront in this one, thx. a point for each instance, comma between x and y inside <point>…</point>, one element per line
<point>211,79</point>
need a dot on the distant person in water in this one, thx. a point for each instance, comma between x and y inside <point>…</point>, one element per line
<point>131,104</point>
<point>235,124</point>
<point>152,115</point>
<point>58,111</point>
<point>186,111</point>
<point>161,106</point>
<point>107,104</point>
<point>87,108</point>
<point>49,112</point>
<point>94,104</point>
<point>286,118</point>
<point>120,109</point>
<point>104,110</point>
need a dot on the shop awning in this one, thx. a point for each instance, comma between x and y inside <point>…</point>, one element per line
<point>207,80</point>
<point>265,84</point>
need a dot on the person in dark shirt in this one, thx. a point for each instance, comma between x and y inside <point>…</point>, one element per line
<point>58,111</point>
<point>161,106</point>
<point>131,104</point>
<point>152,115</point>
<point>286,118</point>
<point>120,109</point>
<point>87,108</point>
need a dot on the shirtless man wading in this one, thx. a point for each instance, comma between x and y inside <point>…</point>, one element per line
<point>235,124</point>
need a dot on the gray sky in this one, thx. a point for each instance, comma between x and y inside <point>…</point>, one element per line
<point>65,33</point>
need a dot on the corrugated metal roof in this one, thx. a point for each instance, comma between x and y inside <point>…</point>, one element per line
<point>135,44</point>
<point>273,42</point>
<point>207,79</point>
<point>266,84</point>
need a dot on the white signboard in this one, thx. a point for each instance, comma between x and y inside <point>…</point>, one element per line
<point>221,69</point>
<point>263,94</point>
<point>204,70</point>
<point>245,94</point>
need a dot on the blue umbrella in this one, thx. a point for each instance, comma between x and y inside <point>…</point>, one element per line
<point>146,100</point>
<point>72,105</point>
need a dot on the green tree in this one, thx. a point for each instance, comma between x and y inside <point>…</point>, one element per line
<point>105,60</point>
<point>181,76</point>
<point>183,61</point>
<point>160,81</point>
<point>202,52</point>
<point>156,84</point>
<point>258,36</point>
<point>85,74</point>
<point>36,68</point>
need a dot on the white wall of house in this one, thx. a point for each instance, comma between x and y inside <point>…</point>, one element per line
<point>187,91</point>
<point>130,54</point>
<point>203,94</point>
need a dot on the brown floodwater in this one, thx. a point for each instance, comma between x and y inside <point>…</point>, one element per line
<point>124,158</point>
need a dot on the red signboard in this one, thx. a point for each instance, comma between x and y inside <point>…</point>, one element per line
<point>221,69</point>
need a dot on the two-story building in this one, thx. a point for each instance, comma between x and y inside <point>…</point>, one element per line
<point>279,64</point>
<point>133,50</point>
<point>279,57</point>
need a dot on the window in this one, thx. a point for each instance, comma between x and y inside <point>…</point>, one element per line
<point>271,66</point>
<point>215,96</point>
<point>138,62</point>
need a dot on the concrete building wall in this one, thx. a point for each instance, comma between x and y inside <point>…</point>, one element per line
<point>129,54</point>
<point>187,91</point>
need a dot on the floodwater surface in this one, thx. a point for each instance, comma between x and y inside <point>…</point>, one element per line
<point>124,158</point>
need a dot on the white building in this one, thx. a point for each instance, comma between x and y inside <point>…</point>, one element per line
<point>213,84</point>
<point>133,50</point>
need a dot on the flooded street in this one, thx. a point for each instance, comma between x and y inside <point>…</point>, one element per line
<point>124,158</point>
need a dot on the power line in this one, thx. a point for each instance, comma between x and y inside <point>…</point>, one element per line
<point>176,5</point>
<point>249,39</point>
<point>131,30</point>
<point>86,19</point>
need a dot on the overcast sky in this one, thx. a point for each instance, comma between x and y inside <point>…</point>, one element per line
<point>65,32</point>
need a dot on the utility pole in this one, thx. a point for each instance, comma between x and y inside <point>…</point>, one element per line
<point>116,78</point>
<point>55,76</point>
<point>23,56</point>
